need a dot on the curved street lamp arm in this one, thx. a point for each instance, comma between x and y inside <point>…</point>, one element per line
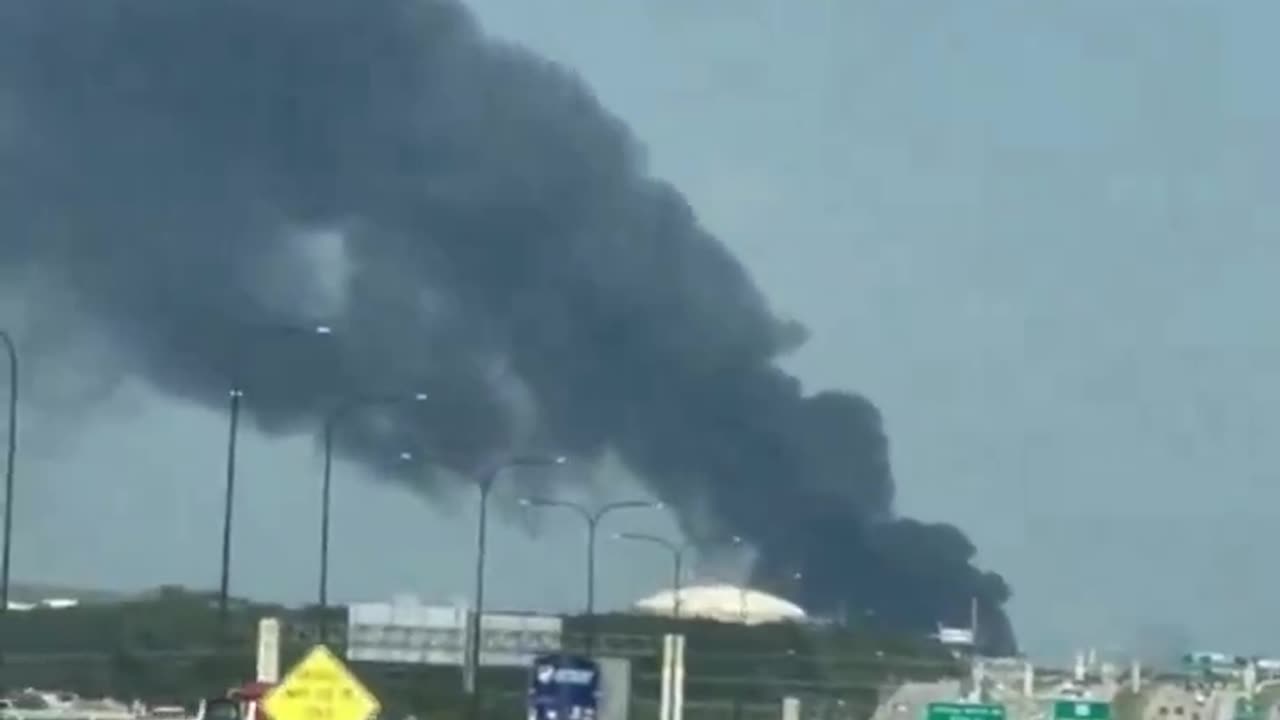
<point>487,478</point>
<point>347,407</point>
<point>624,505</point>
<point>249,330</point>
<point>532,461</point>
<point>651,539</point>
<point>537,502</point>
<point>695,543</point>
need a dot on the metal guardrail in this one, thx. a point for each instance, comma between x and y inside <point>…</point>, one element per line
<point>68,713</point>
<point>823,686</point>
<point>15,658</point>
<point>612,644</point>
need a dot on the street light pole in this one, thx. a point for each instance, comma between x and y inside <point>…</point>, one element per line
<point>470,677</point>
<point>677,562</point>
<point>228,504</point>
<point>592,519</point>
<point>485,483</point>
<point>677,556</point>
<point>233,427</point>
<point>5,555</point>
<point>340,413</point>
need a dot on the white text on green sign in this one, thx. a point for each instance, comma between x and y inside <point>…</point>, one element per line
<point>944,711</point>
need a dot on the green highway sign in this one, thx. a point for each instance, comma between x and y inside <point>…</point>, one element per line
<point>964,711</point>
<point>1246,709</point>
<point>1081,710</point>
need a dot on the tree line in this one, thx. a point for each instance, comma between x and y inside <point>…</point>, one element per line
<point>164,647</point>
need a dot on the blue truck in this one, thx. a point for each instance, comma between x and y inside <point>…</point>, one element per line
<point>564,687</point>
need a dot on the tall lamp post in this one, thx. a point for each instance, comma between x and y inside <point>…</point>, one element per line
<point>485,482</point>
<point>331,424</point>
<point>592,518</point>
<point>677,558</point>
<point>677,561</point>
<point>236,393</point>
<point>10,348</point>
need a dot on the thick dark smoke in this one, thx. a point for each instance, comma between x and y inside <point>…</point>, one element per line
<point>175,166</point>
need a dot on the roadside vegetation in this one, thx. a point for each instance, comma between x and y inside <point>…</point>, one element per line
<point>163,647</point>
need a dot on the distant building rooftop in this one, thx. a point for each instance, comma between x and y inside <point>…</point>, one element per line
<point>726,603</point>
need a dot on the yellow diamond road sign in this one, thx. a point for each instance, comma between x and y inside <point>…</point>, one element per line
<point>320,688</point>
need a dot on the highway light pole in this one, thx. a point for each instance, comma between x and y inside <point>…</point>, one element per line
<point>331,424</point>
<point>592,519</point>
<point>485,482</point>
<point>233,426</point>
<point>11,349</point>
<point>677,558</point>
<point>677,561</point>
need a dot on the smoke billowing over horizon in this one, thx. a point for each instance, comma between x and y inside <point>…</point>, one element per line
<point>191,172</point>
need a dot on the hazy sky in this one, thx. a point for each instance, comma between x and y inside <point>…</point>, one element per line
<point>1037,234</point>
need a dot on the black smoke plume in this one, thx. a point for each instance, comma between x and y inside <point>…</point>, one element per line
<point>176,167</point>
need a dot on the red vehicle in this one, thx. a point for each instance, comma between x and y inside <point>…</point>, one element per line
<point>240,703</point>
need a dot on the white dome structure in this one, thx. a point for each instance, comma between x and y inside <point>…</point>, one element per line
<point>726,603</point>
